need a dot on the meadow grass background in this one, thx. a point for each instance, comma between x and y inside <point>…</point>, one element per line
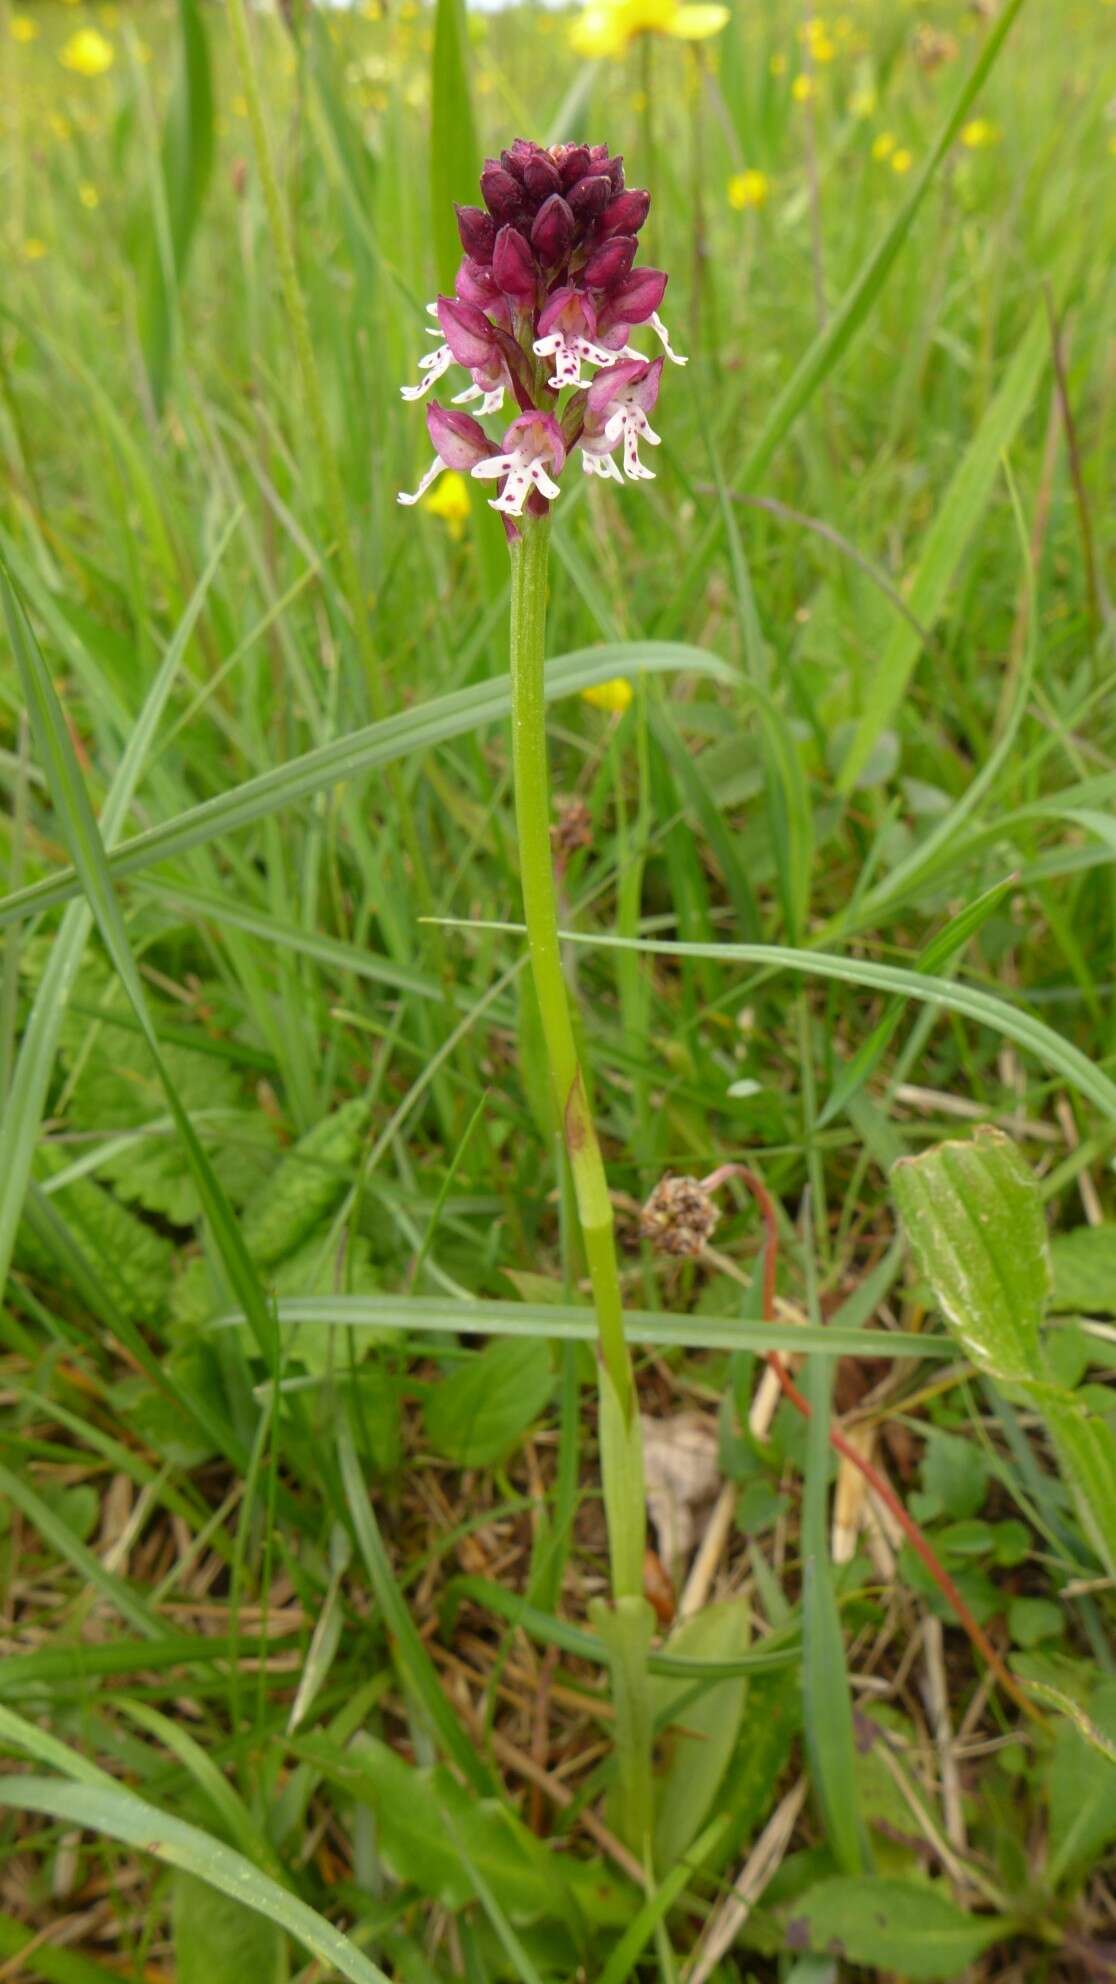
<point>902,566</point>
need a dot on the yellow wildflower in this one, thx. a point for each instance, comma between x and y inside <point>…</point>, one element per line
<point>33,249</point>
<point>748,189</point>
<point>802,89</point>
<point>815,34</point>
<point>902,160</point>
<point>88,195</point>
<point>608,27</point>
<point>88,53</point>
<point>883,146</point>
<point>978,134</point>
<point>614,695</point>
<point>449,499</point>
<point>22,28</point>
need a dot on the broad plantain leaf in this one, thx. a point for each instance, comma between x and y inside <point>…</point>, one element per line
<point>884,1924</point>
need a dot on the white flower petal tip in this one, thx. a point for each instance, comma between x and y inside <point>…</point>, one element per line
<point>407,498</point>
<point>431,367</point>
<point>663,335</point>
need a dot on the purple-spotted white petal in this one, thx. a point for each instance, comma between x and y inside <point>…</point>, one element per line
<point>532,444</point>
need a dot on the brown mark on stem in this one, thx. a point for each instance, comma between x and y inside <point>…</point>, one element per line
<point>576,1117</point>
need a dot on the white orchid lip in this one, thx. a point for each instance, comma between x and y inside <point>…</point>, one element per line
<point>432,367</point>
<point>618,414</point>
<point>523,467</point>
<point>569,354</point>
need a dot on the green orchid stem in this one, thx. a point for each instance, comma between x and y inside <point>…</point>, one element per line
<point>620,1444</point>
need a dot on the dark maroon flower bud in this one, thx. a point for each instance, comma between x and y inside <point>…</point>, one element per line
<point>625,214</point>
<point>599,161</point>
<point>611,263</point>
<point>518,155</point>
<point>513,266</point>
<point>502,195</point>
<point>541,177</point>
<point>473,284</point>
<point>459,440</point>
<point>466,330</point>
<point>553,231</point>
<point>573,163</point>
<point>478,233</point>
<point>591,196</point>
<point>638,298</point>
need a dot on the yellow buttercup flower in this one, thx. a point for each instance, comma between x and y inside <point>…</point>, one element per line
<point>449,499</point>
<point>88,195</point>
<point>978,134</point>
<point>22,28</point>
<point>883,146</point>
<point>815,33</point>
<point>615,695</point>
<point>748,189</point>
<point>88,53</point>
<point>608,27</point>
<point>902,160</point>
<point>33,249</point>
<point>802,89</point>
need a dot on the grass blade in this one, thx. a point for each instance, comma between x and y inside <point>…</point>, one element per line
<point>19,1125</point>
<point>414,1661</point>
<point>122,1817</point>
<point>71,800</point>
<point>454,156</point>
<point>957,520</point>
<point>983,1007</point>
<point>186,168</point>
<point>442,1315</point>
<point>365,750</point>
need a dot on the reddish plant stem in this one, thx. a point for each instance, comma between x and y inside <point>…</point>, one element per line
<point>879,1485</point>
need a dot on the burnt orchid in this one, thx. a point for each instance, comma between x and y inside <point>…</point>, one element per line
<point>545,302</point>
<point>544,305</point>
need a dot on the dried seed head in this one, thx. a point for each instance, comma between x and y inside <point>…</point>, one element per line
<point>679,1217</point>
<point>572,829</point>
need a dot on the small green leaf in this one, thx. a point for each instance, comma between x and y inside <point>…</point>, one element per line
<point>974,1219</point>
<point>476,1416</point>
<point>956,1473</point>
<point>891,1925</point>
<point>306,1185</point>
<point>1082,1791</point>
<point>1084,1264</point>
<point>700,1741</point>
<point>217,1941</point>
<point>1032,1620</point>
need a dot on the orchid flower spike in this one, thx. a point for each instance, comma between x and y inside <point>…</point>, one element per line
<point>544,304</point>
